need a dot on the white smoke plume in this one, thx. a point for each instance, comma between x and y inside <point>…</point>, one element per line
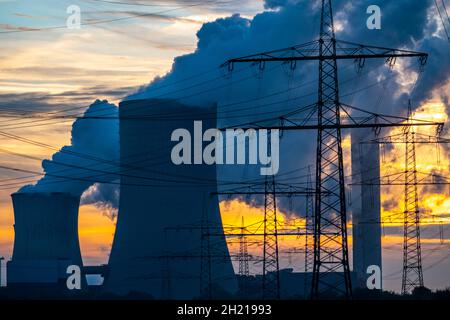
<point>92,157</point>
<point>196,79</point>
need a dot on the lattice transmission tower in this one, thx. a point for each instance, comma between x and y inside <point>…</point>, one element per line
<point>412,276</point>
<point>271,275</point>
<point>244,270</point>
<point>331,270</point>
<point>412,273</point>
<point>271,191</point>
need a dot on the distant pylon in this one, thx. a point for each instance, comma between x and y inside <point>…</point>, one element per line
<point>205,257</point>
<point>309,236</point>
<point>271,276</point>
<point>243,252</point>
<point>330,230</point>
<point>412,276</point>
<point>412,257</point>
<point>331,272</point>
<point>271,284</point>
<point>243,258</point>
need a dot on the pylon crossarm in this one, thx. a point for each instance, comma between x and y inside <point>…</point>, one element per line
<point>257,189</point>
<point>286,191</point>
<point>306,50</point>
<point>328,116</point>
<point>358,118</point>
<point>400,139</point>
<point>363,51</point>
<point>397,179</point>
<point>345,50</point>
<point>363,116</point>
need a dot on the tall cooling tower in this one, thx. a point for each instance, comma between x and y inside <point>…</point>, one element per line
<point>45,239</point>
<point>366,207</point>
<point>157,244</point>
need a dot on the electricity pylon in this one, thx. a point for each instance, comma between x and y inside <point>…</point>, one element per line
<point>331,271</point>
<point>243,252</point>
<point>270,273</point>
<point>412,253</point>
<point>412,275</point>
<point>309,230</point>
<point>244,270</point>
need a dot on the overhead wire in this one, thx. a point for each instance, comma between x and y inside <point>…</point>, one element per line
<point>97,22</point>
<point>442,18</point>
<point>156,116</point>
<point>28,141</point>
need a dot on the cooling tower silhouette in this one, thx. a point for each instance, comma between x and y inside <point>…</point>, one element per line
<point>149,254</point>
<point>45,239</point>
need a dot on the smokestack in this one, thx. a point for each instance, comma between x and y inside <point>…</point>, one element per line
<point>145,257</point>
<point>45,239</point>
<point>366,208</point>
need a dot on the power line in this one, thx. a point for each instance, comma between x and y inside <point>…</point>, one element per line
<point>222,106</point>
<point>135,4</point>
<point>155,117</point>
<point>445,10</point>
<point>442,18</point>
<point>125,166</point>
<point>97,22</point>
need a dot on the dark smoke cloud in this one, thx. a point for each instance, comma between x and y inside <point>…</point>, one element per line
<point>437,70</point>
<point>401,22</point>
<point>436,188</point>
<point>35,102</point>
<point>390,204</point>
<point>103,196</point>
<point>45,102</point>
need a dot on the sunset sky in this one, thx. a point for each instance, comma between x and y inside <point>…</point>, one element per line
<point>123,45</point>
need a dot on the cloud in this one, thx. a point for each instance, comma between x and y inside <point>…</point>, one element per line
<point>437,72</point>
<point>29,101</point>
<point>149,16</point>
<point>10,27</point>
<point>65,71</point>
<point>35,102</point>
<point>23,15</point>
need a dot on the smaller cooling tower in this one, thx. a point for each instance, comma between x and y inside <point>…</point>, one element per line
<point>45,240</point>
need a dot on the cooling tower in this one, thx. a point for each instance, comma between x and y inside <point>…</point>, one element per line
<point>366,208</point>
<point>45,239</point>
<point>157,244</point>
